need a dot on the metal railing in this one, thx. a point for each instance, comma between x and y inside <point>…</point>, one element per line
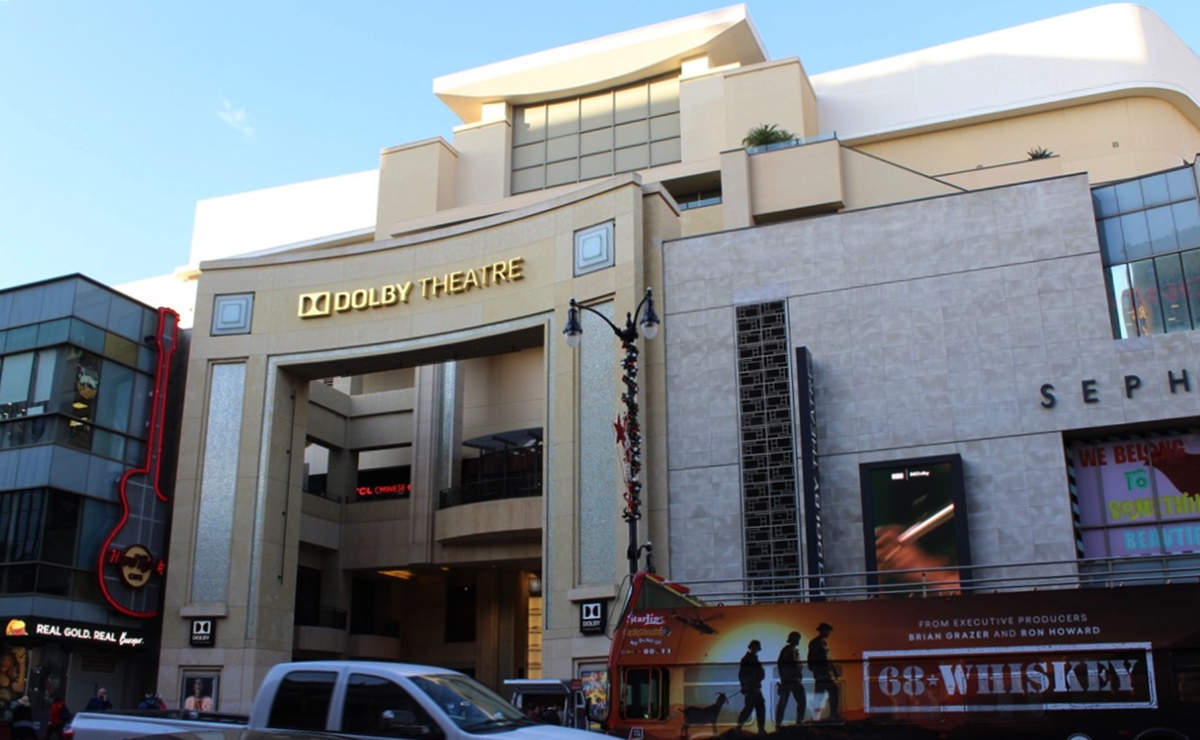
<point>928,583</point>
<point>494,489</point>
<point>793,142</point>
<point>324,616</point>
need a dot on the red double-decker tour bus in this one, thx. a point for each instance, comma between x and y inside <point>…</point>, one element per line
<point>1082,657</point>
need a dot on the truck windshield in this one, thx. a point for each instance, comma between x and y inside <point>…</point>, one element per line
<point>469,704</point>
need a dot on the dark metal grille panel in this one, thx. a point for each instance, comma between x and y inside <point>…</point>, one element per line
<point>769,504</point>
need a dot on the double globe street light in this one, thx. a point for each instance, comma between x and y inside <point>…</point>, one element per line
<point>628,430</point>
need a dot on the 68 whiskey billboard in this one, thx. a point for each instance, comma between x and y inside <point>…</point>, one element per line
<point>1106,662</point>
<point>1009,679</point>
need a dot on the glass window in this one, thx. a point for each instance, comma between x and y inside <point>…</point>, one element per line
<point>1137,235</point>
<point>23,338</point>
<point>529,124</point>
<point>99,518</point>
<point>529,155</point>
<point>467,703</point>
<point>1145,291</point>
<point>107,444</point>
<point>1187,223</point>
<point>371,706</point>
<point>1162,230</point>
<point>53,332</point>
<point>112,406</point>
<point>15,374</point>
<point>577,136</point>
<point>596,112</point>
<point>61,528</point>
<point>43,381</point>
<point>1154,190</point>
<point>87,336</point>
<point>120,349</point>
<point>1191,277</point>
<point>302,701</point>
<point>18,579</point>
<point>1149,233</point>
<point>1129,196</point>
<point>1172,293</point>
<point>562,119</point>
<point>21,525</point>
<point>644,694</point>
<point>1181,183</point>
<point>54,581</point>
<point>1112,241</point>
<point>1104,200</point>
<point>85,379</point>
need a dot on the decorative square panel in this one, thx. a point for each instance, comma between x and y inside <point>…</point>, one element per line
<point>232,314</point>
<point>594,248</point>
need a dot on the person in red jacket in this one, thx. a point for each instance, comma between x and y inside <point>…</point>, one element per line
<point>60,715</point>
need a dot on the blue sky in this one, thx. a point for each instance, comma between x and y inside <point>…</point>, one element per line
<point>116,116</point>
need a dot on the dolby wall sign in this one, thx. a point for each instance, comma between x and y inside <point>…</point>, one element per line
<point>386,295</point>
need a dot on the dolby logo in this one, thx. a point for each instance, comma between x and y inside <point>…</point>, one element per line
<point>315,304</point>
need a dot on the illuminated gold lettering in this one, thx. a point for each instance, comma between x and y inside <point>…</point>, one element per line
<point>434,286</point>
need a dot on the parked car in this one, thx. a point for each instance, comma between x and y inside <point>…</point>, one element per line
<point>358,699</point>
<point>553,701</point>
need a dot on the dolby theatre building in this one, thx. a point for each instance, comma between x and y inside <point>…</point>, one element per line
<point>977,264</point>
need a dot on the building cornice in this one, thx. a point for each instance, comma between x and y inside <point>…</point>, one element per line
<point>726,36</point>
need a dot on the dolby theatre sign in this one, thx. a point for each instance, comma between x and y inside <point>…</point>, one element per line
<point>327,303</point>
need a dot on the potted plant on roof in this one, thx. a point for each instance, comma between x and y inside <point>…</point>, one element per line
<point>764,134</point>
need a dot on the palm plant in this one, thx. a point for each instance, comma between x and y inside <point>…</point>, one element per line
<point>764,134</point>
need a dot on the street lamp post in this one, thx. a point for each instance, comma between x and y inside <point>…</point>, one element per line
<point>628,430</point>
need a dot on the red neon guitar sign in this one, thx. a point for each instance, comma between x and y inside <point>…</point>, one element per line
<point>133,558</point>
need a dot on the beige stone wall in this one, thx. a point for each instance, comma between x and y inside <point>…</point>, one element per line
<point>414,180</point>
<point>499,389</point>
<point>1110,140</point>
<point>503,392</point>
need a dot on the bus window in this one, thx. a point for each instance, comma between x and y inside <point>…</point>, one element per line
<point>644,693</point>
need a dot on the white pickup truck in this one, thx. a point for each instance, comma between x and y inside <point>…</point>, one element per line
<point>358,699</point>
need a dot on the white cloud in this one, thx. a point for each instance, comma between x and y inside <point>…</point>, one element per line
<point>238,118</point>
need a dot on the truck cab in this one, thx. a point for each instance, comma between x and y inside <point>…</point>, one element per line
<point>552,701</point>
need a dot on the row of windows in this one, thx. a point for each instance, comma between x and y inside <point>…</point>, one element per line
<point>698,200</point>
<point>1149,230</point>
<point>596,136</point>
<point>102,402</point>
<point>80,334</point>
<point>1156,296</point>
<point>50,542</point>
<point>68,432</point>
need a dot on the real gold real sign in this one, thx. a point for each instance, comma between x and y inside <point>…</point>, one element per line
<point>327,303</point>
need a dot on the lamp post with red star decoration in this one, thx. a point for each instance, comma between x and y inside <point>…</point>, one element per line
<point>627,428</point>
